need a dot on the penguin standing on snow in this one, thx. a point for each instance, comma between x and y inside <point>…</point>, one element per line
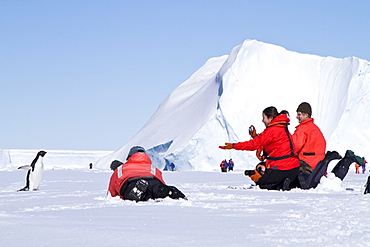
<point>34,174</point>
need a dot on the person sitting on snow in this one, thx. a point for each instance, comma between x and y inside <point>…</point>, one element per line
<point>308,139</point>
<point>282,164</point>
<point>311,146</point>
<point>138,180</point>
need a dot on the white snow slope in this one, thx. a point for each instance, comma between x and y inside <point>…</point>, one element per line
<point>223,98</point>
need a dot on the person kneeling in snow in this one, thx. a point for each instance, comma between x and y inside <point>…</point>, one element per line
<point>138,179</point>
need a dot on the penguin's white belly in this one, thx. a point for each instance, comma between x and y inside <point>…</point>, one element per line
<point>36,175</point>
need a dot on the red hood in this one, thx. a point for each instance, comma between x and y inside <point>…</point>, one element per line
<point>281,119</point>
<point>139,158</point>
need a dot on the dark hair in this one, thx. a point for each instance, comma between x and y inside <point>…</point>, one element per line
<point>272,112</point>
<point>284,112</point>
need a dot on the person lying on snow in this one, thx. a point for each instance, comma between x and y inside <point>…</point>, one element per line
<point>138,179</point>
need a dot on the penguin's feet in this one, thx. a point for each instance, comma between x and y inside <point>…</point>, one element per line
<point>24,189</point>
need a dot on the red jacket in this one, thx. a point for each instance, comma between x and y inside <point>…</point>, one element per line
<point>138,165</point>
<point>276,143</point>
<point>309,142</point>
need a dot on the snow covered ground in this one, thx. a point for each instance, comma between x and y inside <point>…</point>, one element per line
<point>72,208</point>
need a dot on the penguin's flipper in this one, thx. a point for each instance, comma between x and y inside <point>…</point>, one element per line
<point>27,167</point>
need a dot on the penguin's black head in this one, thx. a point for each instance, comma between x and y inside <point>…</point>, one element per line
<point>41,153</point>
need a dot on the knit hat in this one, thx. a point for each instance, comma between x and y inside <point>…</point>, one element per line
<point>305,108</point>
<point>135,149</point>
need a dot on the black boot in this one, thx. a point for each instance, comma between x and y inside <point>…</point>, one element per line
<point>286,184</point>
<point>175,193</point>
<point>341,169</point>
<point>367,186</point>
<point>314,178</point>
<point>334,155</point>
<point>303,183</point>
<point>162,191</point>
<point>356,158</point>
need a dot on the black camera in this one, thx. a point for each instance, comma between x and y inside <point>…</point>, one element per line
<point>249,172</point>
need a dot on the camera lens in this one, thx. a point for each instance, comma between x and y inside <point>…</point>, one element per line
<point>249,172</point>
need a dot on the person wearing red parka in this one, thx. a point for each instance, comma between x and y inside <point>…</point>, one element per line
<point>282,164</point>
<point>308,139</point>
<point>138,179</point>
<point>310,145</point>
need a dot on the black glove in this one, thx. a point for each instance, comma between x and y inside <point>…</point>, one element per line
<point>115,164</point>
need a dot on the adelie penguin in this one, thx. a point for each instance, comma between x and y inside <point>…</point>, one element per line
<point>34,174</point>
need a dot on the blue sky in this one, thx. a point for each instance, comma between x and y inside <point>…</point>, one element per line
<point>87,75</point>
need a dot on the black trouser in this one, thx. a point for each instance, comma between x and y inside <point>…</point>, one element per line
<point>273,179</point>
<point>156,189</point>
